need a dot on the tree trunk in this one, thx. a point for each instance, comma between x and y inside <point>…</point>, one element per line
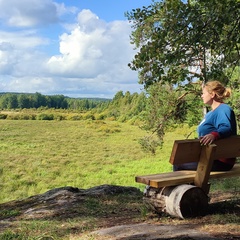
<point>180,201</point>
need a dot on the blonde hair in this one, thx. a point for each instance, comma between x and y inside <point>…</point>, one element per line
<point>220,91</point>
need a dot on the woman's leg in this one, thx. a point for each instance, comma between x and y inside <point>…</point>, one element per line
<point>220,166</point>
<point>217,166</point>
<point>185,166</point>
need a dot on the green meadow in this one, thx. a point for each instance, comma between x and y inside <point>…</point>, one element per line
<point>38,155</point>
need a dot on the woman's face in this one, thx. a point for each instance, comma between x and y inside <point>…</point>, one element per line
<point>207,97</point>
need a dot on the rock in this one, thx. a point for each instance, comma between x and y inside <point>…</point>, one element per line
<point>111,190</point>
<point>145,231</point>
<point>59,201</point>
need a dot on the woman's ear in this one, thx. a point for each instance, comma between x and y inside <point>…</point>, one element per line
<point>213,94</point>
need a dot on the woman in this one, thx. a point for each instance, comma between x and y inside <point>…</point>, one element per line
<point>218,123</point>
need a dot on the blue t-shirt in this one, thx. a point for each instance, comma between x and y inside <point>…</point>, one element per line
<point>221,120</point>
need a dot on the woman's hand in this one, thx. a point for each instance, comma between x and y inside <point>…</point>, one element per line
<point>207,139</point>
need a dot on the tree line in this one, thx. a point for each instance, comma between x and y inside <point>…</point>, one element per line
<point>38,100</point>
<point>123,106</point>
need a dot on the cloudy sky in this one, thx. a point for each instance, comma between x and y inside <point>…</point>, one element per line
<point>78,48</point>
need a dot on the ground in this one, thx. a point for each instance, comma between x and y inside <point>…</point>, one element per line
<point>115,212</point>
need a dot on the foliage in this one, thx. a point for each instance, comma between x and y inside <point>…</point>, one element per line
<point>181,40</point>
<point>182,44</point>
<point>127,106</point>
<point>235,100</point>
<point>37,100</point>
<point>123,107</point>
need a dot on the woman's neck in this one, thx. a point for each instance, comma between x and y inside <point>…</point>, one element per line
<point>215,105</point>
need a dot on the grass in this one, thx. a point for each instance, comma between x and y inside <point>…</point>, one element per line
<point>37,156</point>
<point>40,155</point>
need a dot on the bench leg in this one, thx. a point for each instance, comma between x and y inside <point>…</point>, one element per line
<point>180,201</point>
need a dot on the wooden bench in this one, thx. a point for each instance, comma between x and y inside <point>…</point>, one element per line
<point>161,186</point>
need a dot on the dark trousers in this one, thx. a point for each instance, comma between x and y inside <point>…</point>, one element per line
<point>217,166</point>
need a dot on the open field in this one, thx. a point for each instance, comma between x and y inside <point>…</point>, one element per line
<point>37,156</point>
<point>40,155</point>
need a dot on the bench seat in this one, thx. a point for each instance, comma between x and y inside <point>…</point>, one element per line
<point>182,177</point>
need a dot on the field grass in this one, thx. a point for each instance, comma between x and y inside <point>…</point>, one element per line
<point>37,156</point>
<point>40,155</point>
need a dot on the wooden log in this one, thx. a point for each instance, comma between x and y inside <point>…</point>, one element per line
<point>180,201</point>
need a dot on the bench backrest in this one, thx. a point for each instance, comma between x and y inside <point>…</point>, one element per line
<point>185,151</point>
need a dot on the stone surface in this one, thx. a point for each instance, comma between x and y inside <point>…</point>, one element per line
<point>145,231</point>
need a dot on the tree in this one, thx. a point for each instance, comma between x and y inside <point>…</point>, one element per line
<point>10,101</point>
<point>181,40</point>
<point>39,100</point>
<point>181,43</point>
<point>23,101</point>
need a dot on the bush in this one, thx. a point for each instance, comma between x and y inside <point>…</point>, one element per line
<point>3,116</point>
<point>59,117</point>
<point>27,117</point>
<point>75,117</point>
<point>109,129</point>
<point>88,116</point>
<point>100,116</point>
<point>13,117</point>
<point>44,116</point>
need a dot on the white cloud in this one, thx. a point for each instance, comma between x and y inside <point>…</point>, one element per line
<point>25,39</point>
<point>93,54</point>
<point>19,55</point>
<point>27,13</point>
<point>93,48</point>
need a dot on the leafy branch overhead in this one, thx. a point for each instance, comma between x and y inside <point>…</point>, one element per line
<point>181,44</point>
<point>179,40</point>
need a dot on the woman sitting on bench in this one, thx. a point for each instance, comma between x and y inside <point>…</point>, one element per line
<point>218,123</point>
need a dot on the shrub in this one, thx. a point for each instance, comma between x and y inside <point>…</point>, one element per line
<point>75,117</point>
<point>100,116</point>
<point>3,116</point>
<point>88,116</point>
<point>59,117</point>
<point>109,129</point>
<point>27,116</point>
<point>13,117</point>
<point>44,116</point>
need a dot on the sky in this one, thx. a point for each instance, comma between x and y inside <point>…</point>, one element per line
<point>78,48</point>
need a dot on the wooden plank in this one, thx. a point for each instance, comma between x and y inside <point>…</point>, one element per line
<point>228,147</point>
<point>162,176</point>
<point>185,151</point>
<point>204,167</point>
<point>235,172</point>
<point>182,177</point>
<point>167,179</point>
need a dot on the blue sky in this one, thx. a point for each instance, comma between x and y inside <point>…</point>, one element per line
<point>78,48</point>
